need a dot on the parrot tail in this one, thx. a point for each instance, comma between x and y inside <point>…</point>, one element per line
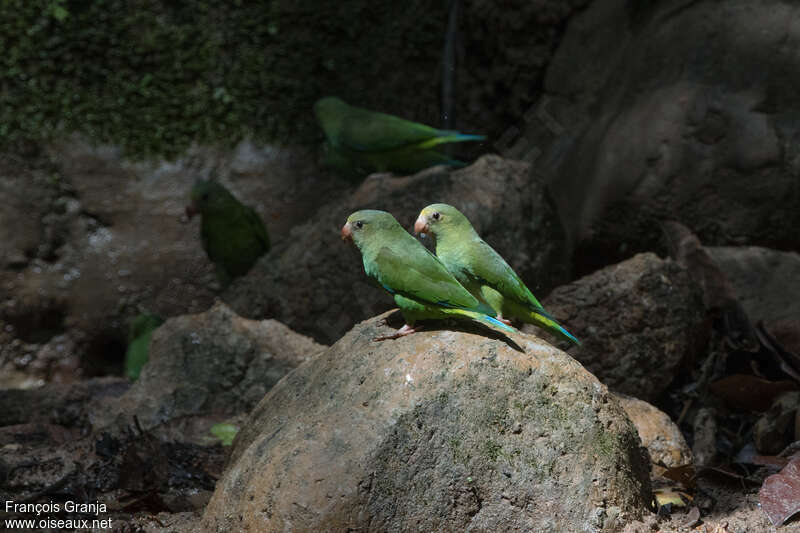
<point>485,319</point>
<point>549,324</point>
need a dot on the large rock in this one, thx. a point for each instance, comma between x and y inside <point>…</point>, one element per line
<point>213,363</point>
<point>637,321</point>
<point>316,285</point>
<point>679,110</point>
<point>446,430</point>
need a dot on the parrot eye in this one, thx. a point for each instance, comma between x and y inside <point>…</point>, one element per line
<point>360,224</point>
<point>436,215</point>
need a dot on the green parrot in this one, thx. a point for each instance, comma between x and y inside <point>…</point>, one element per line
<point>141,330</point>
<point>365,141</point>
<point>421,285</point>
<point>481,270</point>
<point>233,235</point>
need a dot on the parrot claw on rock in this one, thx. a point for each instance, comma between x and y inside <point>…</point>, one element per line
<point>402,332</point>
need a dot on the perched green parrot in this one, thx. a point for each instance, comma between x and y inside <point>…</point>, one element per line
<point>421,285</point>
<point>481,270</point>
<point>233,235</point>
<point>141,330</point>
<point>364,141</point>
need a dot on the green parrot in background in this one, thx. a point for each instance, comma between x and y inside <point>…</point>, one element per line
<point>421,285</point>
<point>141,330</point>
<point>364,141</point>
<point>481,270</point>
<point>233,235</point>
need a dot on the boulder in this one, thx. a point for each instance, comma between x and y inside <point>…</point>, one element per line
<point>456,429</point>
<point>679,110</point>
<point>637,321</point>
<point>213,363</point>
<point>765,281</point>
<point>659,434</point>
<point>316,284</point>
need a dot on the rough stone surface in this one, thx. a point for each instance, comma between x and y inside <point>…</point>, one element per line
<point>766,281</point>
<point>316,284</point>
<point>658,433</point>
<point>213,363</point>
<point>678,110</point>
<point>637,321</point>
<point>457,429</point>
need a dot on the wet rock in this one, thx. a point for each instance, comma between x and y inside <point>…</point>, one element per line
<point>445,430</point>
<point>637,322</point>
<point>317,286</point>
<point>213,363</point>
<point>706,135</point>
<point>659,434</point>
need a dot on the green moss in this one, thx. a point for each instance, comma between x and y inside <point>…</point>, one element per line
<point>455,445</point>
<point>605,443</point>
<point>155,76</point>
<point>492,450</point>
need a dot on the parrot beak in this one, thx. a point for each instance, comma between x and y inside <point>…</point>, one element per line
<point>421,225</point>
<point>346,234</point>
<point>191,210</point>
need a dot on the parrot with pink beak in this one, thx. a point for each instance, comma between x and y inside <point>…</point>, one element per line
<point>481,270</point>
<point>421,285</point>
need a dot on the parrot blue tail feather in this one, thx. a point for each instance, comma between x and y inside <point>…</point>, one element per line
<point>496,323</point>
<point>569,335</point>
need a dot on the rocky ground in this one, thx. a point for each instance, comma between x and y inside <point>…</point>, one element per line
<point>456,427</point>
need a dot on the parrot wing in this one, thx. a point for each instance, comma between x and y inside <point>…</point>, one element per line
<point>365,130</point>
<point>257,224</point>
<point>421,276</point>
<point>487,267</point>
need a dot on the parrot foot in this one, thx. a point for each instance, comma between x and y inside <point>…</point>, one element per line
<point>505,321</point>
<point>402,332</point>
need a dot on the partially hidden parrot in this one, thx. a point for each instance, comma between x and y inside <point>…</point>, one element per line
<point>481,270</point>
<point>363,141</point>
<point>137,354</point>
<point>421,285</point>
<point>233,235</point>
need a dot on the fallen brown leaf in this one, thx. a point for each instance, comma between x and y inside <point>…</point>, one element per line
<point>751,393</point>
